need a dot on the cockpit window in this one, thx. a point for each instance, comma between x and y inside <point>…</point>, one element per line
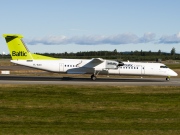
<point>163,67</point>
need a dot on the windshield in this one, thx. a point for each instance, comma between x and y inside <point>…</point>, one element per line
<point>163,67</point>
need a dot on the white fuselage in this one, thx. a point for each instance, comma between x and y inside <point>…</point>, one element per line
<point>80,66</point>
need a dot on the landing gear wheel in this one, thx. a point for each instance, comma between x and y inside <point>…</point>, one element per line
<point>167,79</point>
<point>93,77</point>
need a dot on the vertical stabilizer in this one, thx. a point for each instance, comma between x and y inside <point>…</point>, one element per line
<point>17,48</point>
<point>19,51</point>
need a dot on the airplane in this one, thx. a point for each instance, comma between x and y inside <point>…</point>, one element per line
<point>95,66</point>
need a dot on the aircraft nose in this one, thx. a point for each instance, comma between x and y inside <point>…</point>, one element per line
<point>172,73</point>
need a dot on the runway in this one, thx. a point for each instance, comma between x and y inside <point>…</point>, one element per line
<point>6,79</point>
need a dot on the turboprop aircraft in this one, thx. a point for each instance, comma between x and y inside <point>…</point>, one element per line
<point>22,56</point>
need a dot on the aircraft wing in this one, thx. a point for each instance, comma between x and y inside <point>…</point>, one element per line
<point>97,60</point>
<point>87,68</point>
<point>93,62</point>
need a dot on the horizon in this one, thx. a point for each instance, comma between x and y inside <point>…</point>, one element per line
<point>4,53</point>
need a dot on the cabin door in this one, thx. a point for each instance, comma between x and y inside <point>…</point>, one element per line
<point>61,67</point>
<point>143,70</point>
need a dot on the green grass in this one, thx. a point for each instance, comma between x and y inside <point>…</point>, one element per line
<point>53,109</point>
<point>173,66</point>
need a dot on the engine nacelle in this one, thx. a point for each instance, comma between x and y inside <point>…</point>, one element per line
<point>111,64</point>
<point>120,64</point>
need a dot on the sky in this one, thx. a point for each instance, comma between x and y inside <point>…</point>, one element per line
<point>57,26</point>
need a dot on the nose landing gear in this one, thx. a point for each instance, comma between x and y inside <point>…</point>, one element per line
<point>168,78</point>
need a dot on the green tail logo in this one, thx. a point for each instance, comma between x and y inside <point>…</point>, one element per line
<point>20,53</point>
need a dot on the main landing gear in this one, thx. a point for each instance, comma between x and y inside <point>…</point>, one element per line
<point>94,76</point>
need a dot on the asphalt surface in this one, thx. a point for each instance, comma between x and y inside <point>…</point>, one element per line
<point>8,79</point>
<point>15,79</point>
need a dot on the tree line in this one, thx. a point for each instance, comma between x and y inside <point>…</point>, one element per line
<point>122,56</point>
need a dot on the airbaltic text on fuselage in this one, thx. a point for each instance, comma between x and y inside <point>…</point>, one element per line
<point>111,63</point>
<point>20,53</point>
<point>131,65</point>
<point>128,65</point>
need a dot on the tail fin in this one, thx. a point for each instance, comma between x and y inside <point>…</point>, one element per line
<point>18,49</point>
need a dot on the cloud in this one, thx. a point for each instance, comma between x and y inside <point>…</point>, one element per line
<point>97,39</point>
<point>47,40</point>
<point>148,37</point>
<point>126,38</point>
<point>172,39</point>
